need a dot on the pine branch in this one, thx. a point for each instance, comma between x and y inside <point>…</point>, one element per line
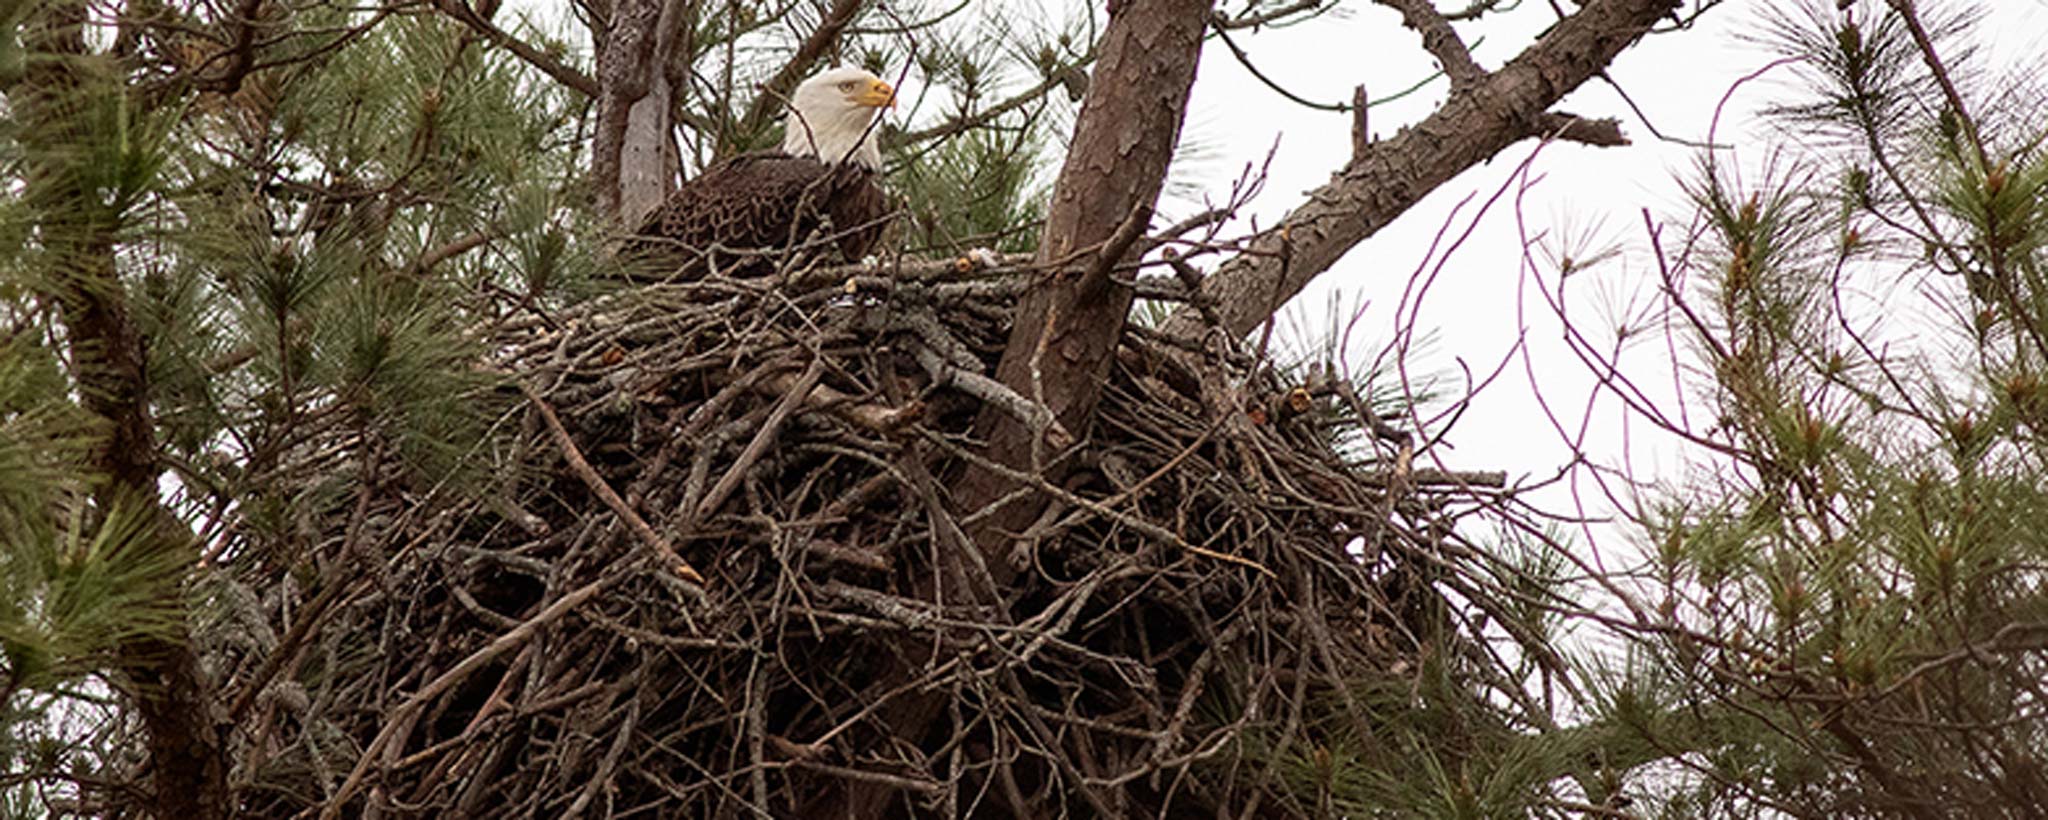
<point>560,71</point>
<point>161,670</point>
<point>821,40</point>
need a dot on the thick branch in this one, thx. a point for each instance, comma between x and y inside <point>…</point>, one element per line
<point>1390,176</point>
<point>779,87</point>
<point>1068,325</point>
<point>1439,39</point>
<point>242,53</point>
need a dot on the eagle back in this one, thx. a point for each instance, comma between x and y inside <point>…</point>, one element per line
<point>765,200</point>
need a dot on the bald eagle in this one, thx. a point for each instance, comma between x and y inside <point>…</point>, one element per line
<point>778,199</point>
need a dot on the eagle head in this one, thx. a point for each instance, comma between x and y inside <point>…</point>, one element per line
<point>829,117</point>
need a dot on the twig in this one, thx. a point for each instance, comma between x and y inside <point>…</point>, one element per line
<point>814,46</point>
<point>1361,132</point>
<point>1033,415</point>
<point>404,714</point>
<point>535,57</point>
<point>581,467</point>
<point>798,393</point>
<point>610,763</point>
<point>1146,527</point>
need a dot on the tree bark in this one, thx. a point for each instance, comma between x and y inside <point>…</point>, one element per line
<point>633,157</point>
<point>1114,171</point>
<point>157,671</point>
<point>1068,326</point>
<point>1493,112</point>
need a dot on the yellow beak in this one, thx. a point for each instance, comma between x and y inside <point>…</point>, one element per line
<point>878,94</point>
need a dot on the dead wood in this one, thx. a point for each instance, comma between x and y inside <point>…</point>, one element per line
<point>1486,113</point>
<point>1226,560</point>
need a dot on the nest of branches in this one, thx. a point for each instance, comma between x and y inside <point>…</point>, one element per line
<point>722,575</point>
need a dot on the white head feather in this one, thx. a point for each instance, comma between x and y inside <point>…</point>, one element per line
<point>830,114</point>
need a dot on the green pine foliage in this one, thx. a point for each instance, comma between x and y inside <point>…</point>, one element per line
<point>1853,588</point>
<point>321,248</point>
<point>979,190</point>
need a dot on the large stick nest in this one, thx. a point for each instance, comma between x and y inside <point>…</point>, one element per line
<point>1225,556</point>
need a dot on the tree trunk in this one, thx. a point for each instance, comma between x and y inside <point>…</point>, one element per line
<point>634,158</point>
<point>1114,171</point>
<point>1067,328</point>
<point>158,670</point>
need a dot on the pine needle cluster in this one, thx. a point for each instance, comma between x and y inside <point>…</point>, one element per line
<point>1851,591</point>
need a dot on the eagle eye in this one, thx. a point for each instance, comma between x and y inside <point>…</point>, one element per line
<point>847,86</point>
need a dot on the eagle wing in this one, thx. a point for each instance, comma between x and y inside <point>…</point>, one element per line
<point>762,200</point>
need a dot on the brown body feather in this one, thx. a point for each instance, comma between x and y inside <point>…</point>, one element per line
<point>762,200</point>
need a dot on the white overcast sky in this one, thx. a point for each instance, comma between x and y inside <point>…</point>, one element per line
<point>1678,80</point>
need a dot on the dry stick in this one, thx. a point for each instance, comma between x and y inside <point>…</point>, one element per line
<point>1054,490</point>
<point>560,71</point>
<point>909,784</point>
<point>1197,680</point>
<point>708,448</point>
<point>1168,467</point>
<point>334,587</point>
<point>995,394</point>
<point>1062,762</point>
<point>757,734</point>
<point>872,417</point>
<point>1191,281</point>
<point>406,712</point>
<point>1361,133</point>
<point>762,439</point>
<point>583,470</point>
<point>609,764</point>
<point>492,705</point>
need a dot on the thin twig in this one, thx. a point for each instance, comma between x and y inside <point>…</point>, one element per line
<point>581,467</point>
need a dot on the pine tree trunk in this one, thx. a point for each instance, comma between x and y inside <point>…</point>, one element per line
<point>158,671</point>
<point>1067,328</point>
<point>1115,168</point>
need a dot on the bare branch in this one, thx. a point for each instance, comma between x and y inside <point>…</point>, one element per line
<point>1361,133</point>
<point>403,717</point>
<point>1604,133</point>
<point>1245,60</point>
<point>1505,107</point>
<point>1268,17</point>
<point>561,72</point>
<point>581,467</point>
<point>778,87</point>
<point>965,122</point>
<point>1439,39</point>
